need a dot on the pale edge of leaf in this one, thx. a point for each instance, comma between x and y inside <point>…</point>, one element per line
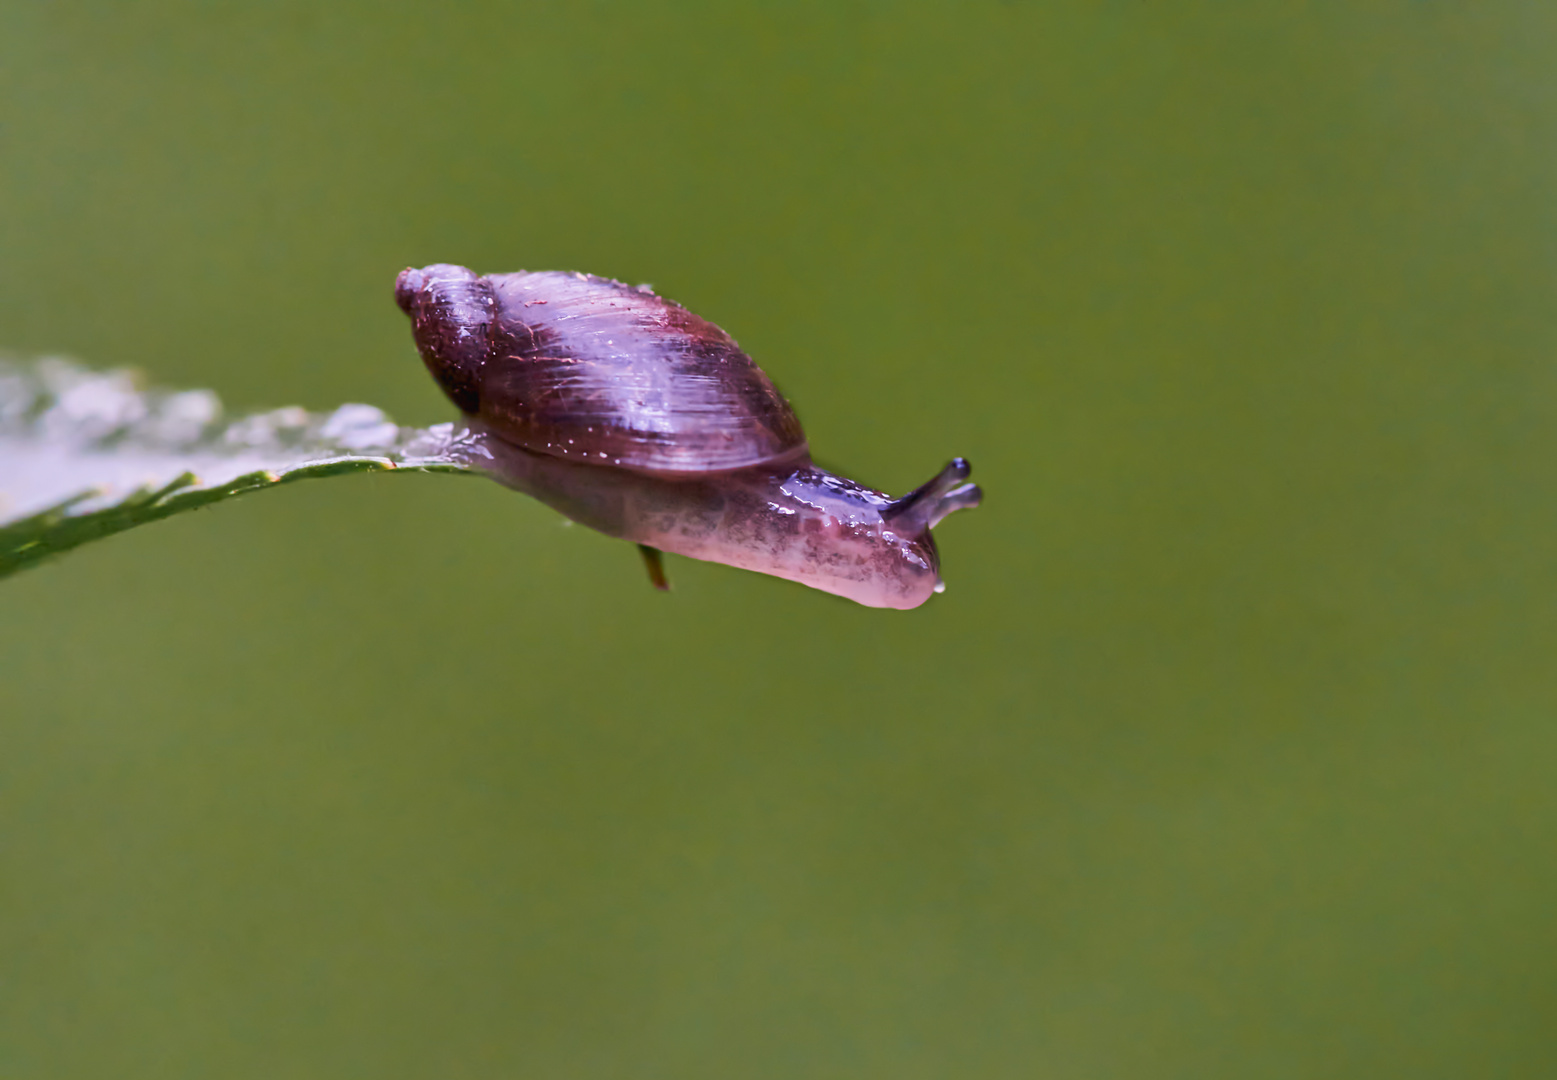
<point>52,403</point>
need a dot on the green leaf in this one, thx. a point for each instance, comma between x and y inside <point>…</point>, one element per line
<point>86,454</point>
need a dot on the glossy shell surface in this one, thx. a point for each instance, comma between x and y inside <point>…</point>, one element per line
<point>592,370</point>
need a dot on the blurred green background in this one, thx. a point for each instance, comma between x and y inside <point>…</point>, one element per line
<point>1229,751</point>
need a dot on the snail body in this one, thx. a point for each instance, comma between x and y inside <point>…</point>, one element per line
<point>627,413</point>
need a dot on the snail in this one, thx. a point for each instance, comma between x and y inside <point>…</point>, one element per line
<point>629,414</point>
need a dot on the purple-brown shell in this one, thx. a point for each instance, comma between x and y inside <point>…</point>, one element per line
<point>589,369</point>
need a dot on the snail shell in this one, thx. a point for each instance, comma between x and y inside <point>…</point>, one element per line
<point>589,369</point>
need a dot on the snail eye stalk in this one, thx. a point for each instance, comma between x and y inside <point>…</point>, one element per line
<point>925,506</point>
